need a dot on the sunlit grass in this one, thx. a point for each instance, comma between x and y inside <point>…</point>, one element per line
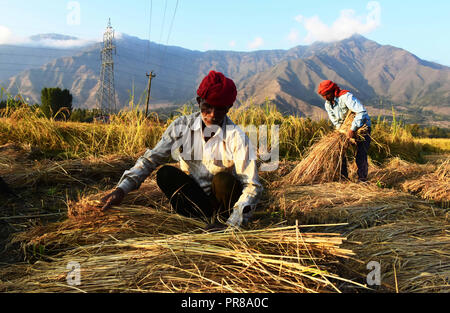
<point>129,133</point>
<point>435,144</point>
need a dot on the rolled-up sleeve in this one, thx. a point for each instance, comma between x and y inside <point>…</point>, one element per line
<point>145,165</point>
<point>247,172</point>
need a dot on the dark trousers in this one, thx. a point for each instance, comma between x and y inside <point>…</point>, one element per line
<point>188,198</point>
<point>362,148</point>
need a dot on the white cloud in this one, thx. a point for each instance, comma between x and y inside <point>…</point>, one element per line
<point>299,18</point>
<point>256,43</point>
<point>347,24</point>
<point>62,44</point>
<point>117,35</point>
<point>232,43</point>
<point>294,36</point>
<point>7,37</point>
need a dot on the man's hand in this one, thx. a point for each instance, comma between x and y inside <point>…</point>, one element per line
<point>114,198</point>
<point>236,218</point>
<point>351,134</point>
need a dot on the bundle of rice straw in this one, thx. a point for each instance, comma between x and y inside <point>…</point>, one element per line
<point>398,171</point>
<point>323,162</point>
<point>443,171</point>
<point>90,225</point>
<point>359,205</point>
<point>413,254</point>
<point>148,194</point>
<point>434,186</point>
<point>279,259</point>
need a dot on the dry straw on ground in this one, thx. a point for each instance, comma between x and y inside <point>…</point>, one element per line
<point>81,171</point>
<point>360,205</point>
<point>397,171</point>
<point>414,254</point>
<point>140,249</point>
<point>95,226</point>
<point>434,186</point>
<point>323,162</point>
<point>88,224</point>
<point>279,259</point>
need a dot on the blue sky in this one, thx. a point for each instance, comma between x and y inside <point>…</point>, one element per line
<point>245,25</point>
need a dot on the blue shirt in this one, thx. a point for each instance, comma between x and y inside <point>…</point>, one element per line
<point>338,111</point>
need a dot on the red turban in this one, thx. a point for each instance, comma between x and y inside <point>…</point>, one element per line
<point>217,90</point>
<point>327,86</point>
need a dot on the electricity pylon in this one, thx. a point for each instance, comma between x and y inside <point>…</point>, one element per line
<point>106,96</point>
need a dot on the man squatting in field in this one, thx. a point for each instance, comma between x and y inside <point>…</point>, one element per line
<point>338,103</point>
<point>218,177</point>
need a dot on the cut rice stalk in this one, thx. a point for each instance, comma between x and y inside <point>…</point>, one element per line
<point>269,260</point>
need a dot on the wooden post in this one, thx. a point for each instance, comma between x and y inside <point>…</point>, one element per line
<point>150,77</point>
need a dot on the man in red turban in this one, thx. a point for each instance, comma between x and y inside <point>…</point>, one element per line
<point>330,90</point>
<point>218,176</point>
<point>338,103</point>
<point>216,95</point>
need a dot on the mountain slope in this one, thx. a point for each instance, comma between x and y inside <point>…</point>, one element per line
<point>15,59</point>
<point>178,70</point>
<point>381,76</point>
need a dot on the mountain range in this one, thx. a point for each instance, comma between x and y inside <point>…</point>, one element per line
<point>383,77</point>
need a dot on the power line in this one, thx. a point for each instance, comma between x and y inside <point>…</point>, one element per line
<point>162,31</point>
<point>171,23</point>
<point>51,58</point>
<point>163,66</point>
<point>170,82</point>
<point>118,63</point>
<point>93,49</point>
<point>163,22</point>
<point>179,82</point>
<point>147,56</point>
<point>35,55</point>
<point>168,35</point>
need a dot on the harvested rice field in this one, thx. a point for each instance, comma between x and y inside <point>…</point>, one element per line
<point>312,232</point>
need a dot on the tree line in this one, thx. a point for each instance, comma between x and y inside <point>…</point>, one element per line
<point>56,103</point>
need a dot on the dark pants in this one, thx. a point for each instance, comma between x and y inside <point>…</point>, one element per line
<point>188,198</point>
<point>362,147</point>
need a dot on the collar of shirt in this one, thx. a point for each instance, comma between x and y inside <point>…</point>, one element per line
<point>333,104</point>
<point>221,131</point>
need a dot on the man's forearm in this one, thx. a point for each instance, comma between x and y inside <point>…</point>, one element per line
<point>133,178</point>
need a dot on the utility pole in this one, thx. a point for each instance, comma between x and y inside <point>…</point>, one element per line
<point>150,77</point>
